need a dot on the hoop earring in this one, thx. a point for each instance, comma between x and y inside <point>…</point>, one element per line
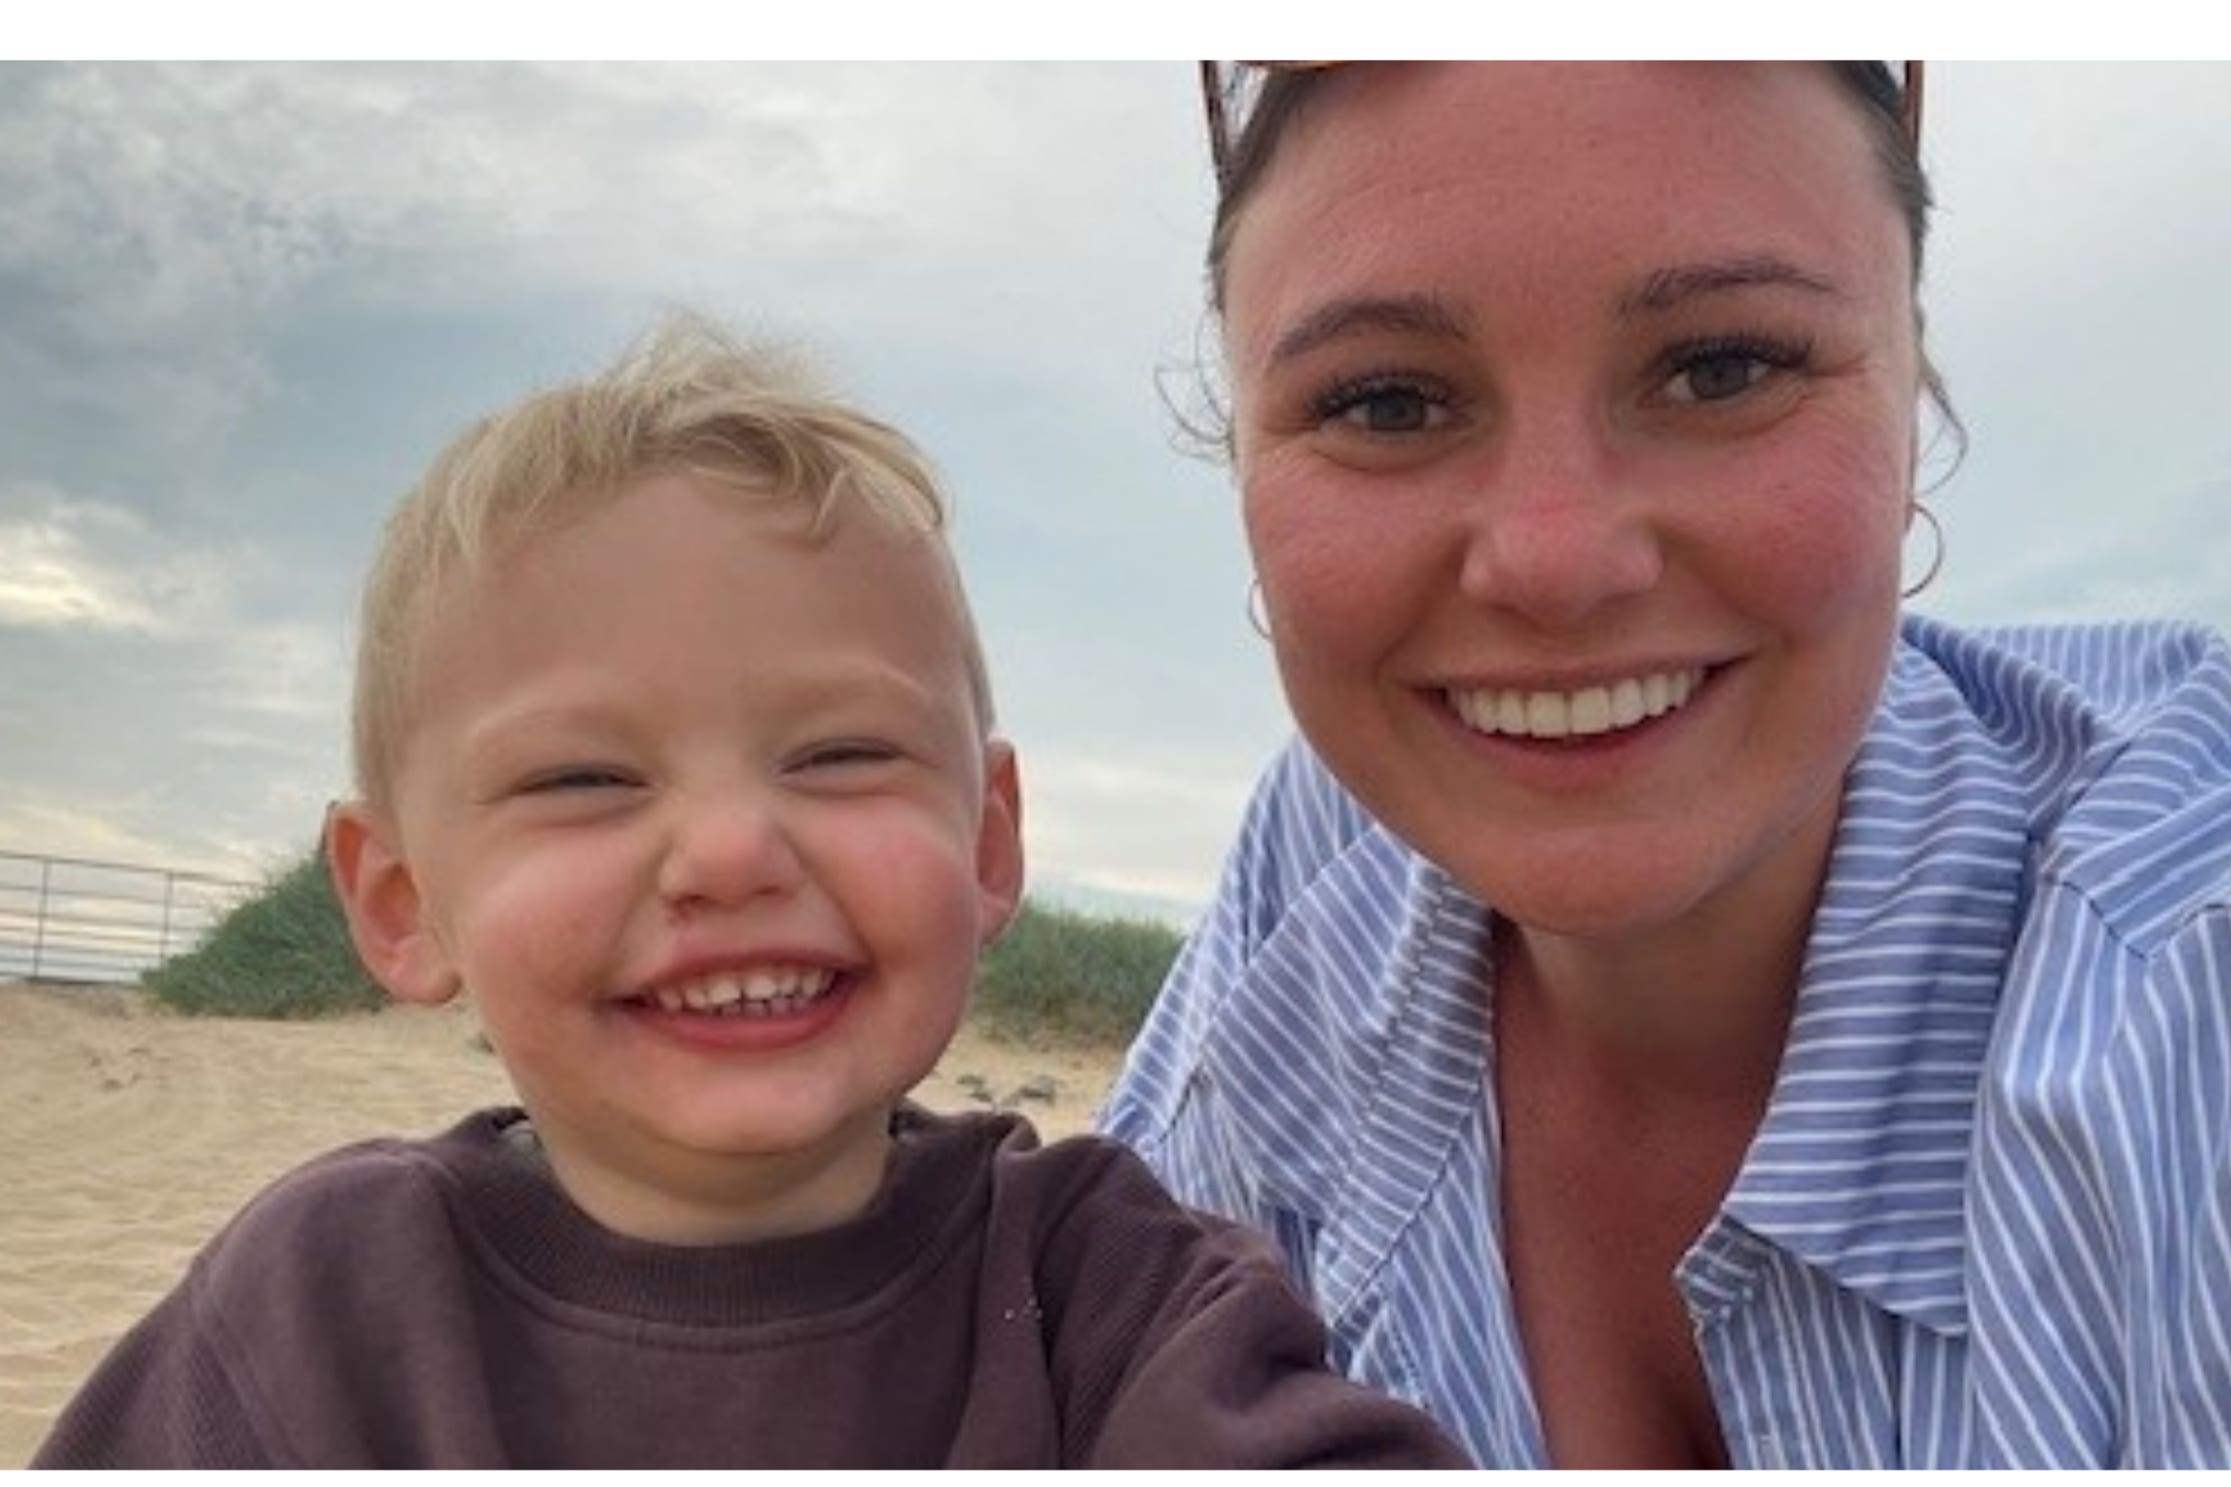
<point>1257,618</point>
<point>1936,552</point>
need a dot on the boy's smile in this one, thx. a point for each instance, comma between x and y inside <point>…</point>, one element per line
<point>763,1006</point>
<point>700,810</point>
<point>762,991</point>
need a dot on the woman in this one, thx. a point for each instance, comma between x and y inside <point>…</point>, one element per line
<point>1670,1008</point>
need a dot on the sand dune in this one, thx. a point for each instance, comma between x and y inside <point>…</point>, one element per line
<point>127,1136</point>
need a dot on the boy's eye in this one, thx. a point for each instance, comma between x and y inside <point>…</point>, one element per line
<point>1384,405</point>
<point>846,752</point>
<point>577,777</point>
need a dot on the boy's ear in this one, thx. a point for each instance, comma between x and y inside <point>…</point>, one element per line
<point>387,921</point>
<point>999,841</point>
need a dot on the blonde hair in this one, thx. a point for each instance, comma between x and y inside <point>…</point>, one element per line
<point>683,400</point>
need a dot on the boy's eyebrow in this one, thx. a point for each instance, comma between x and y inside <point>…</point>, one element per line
<point>1410,314</point>
<point>1669,287</point>
<point>844,679</point>
<point>503,727</point>
<point>832,683</point>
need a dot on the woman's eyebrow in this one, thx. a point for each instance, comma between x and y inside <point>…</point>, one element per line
<point>1407,314</point>
<point>1669,287</point>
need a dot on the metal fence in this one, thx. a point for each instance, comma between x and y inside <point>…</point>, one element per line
<point>69,919</point>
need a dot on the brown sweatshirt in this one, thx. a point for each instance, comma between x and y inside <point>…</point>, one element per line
<point>442,1303</point>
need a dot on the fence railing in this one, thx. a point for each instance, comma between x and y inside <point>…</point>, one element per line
<point>71,919</point>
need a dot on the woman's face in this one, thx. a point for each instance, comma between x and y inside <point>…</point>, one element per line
<point>1574,417</point>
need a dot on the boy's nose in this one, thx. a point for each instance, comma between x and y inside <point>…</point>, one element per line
<point>726,852</point>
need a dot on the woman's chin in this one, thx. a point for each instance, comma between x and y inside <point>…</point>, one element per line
<point>1605,891</point>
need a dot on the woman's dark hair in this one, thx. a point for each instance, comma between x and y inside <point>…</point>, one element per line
<point>1287,94</point>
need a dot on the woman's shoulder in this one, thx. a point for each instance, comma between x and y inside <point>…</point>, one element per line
<point>2115,679</point>
<point>1300,822</point>
<point>1334,974</point>
<point>1311,878</point>
<point>1309,859</point>
<point>2121,734</point>
<point>2115,738</point>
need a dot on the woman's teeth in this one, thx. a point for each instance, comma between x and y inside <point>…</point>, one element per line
<point>768,992</point>
<point>1592,710</point>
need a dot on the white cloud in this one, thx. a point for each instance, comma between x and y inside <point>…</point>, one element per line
<point>172,224</point>
<point>80,565</point>
<point>284,674</point>
<point>2156,559</point>
<point>1122,828</point>
<point>89,829</point>
<point>153,715</point>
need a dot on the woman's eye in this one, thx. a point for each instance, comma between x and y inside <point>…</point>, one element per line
<point>1384,406</point>
<point>1716,372</point>
<point>1712,379</point>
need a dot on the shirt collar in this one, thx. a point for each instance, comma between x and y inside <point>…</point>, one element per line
<point>1860,1167</point>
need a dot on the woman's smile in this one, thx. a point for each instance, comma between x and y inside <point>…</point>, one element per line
<point>1586,712</point>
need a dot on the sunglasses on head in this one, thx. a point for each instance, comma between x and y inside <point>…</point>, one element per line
<point>1230,91</point>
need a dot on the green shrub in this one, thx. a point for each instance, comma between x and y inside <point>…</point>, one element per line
<point>283,953</point>
<point>1074,977</point>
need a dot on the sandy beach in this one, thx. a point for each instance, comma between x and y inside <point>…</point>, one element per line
<point>128,1135</point>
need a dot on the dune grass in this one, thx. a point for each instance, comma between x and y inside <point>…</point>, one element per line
<point>1056,976</point>
<point>1071,977</point>
<point>283,953</point>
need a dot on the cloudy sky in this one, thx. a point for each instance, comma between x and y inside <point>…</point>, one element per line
<point>240,306</point>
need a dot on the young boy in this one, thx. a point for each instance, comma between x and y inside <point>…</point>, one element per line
<point>674,751</point>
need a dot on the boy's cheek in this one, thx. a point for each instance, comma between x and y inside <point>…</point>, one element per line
<point>532,919</point>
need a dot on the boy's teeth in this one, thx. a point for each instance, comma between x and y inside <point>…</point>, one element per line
<point>760,992</point>
<point>1581,714</point>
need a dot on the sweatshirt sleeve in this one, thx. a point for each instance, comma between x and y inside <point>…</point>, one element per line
<point>161,1398</point>
<point>1178,1341</point>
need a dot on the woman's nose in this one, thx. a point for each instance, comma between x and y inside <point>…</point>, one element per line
<point>1552,536</point>
<point>726,851</point>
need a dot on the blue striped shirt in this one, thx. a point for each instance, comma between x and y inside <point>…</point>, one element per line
<point>1986,1219</point>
